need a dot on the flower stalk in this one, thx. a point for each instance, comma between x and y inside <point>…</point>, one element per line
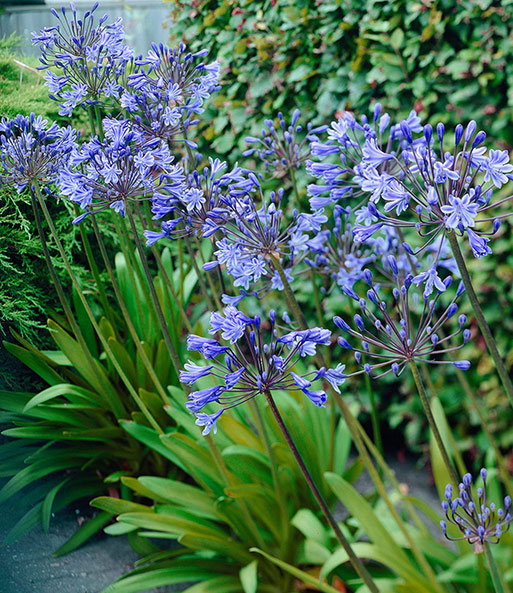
<point>355,561</point>
<point>481,320</point>
<point>432,423</point>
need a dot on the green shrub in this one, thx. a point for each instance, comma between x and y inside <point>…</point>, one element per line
<point>449,60</point>
<point>25,292</point>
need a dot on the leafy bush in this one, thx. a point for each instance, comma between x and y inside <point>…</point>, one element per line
<point>219,517</point>
<point>82,404</point>
<point>447,59</point>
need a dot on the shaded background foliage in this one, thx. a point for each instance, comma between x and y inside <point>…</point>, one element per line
<point>446,58</point>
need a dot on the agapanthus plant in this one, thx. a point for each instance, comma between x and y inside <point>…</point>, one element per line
<point>125,166</point>
<point>431,190</point>
<point>198,209</point>
<point>258,243</point>
<point>393,335</point>
<point>91,57</point>
<point>249,361</point>
<point>479,521</point>
<point>435,192</point>
<point>33,152</point>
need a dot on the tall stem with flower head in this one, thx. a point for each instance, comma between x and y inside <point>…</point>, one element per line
<point>432,423</point>
<point>358,433</point>
<point>355,561</point>
<point>175,359</point>
<point>290,298</point>
<point>499,584</point>
<point>481,320</point>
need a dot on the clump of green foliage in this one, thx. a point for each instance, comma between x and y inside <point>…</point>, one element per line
<point>448,59</point>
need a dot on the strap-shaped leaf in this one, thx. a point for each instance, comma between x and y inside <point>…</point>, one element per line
<point>72,393</point>
<point>83,534</point>
<point>303,576</point>
<point>396,558</point>
<point>194,499</point>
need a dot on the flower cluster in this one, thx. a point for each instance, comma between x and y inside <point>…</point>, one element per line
<point>125,166</point>
<point>91,56</point>
<point>199,207</point>
<point>167,88</point>
<point>479,522</point>
<point>280,149</point>
<point>335,253</point>
<point>389,337</point>
<point>32,151</point>
<point>432,191</point>
<point>248,363</point>
<point>255,238</point>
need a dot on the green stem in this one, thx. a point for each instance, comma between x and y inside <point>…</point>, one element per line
<point>499,584</point>
<point>98,115</point>
<point>374,414</point>
<point>209,279</point>
<point>481,321</point>
<point>318,307</point>
<point>96,276</point>
<point>90,111</point>
<point>482,573</point>
<point>203,286</point>
<point>167,280</point>
<point>432,423</point>
<point>503,471</point>
<point>175,359</point>
<point>355,561</point>
<point>136,275</point>
<point>294,186</point>
<point>55,279</point>
<point>290,299</point>
<point>357,432</point>
<point>138,344</point>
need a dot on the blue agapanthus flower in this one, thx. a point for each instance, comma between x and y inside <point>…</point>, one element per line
<point>479,521</point>
<point>247,361</point>
<point>256,234</point>
<point>90,56</point>
<point>390,336</point>
<point>33,151</point>
<point>401,178</point>
<point>168,89</point>
<point>201,205</point>
<point>125,166</point>
<point>335,253</point>
<point>282,148</point>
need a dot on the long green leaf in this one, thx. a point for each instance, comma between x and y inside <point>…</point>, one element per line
<point>83,534</point>
<point>196,500</point>
<point>70,392</point>
<point>306,578</point>
<point>397,559</point>
<point>158,577</point>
